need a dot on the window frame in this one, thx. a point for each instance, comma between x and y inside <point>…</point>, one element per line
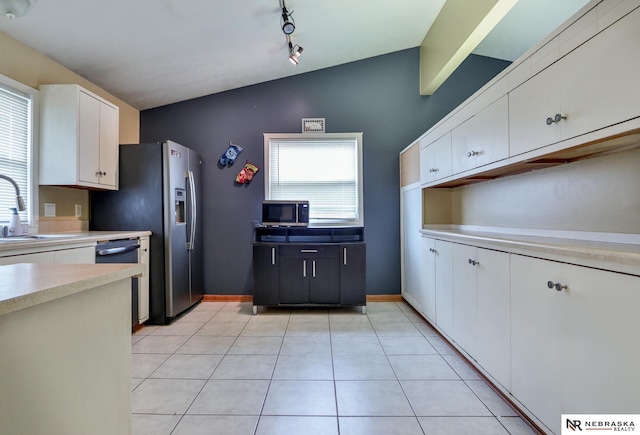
<point>33,155</point>
<point>301,137</point>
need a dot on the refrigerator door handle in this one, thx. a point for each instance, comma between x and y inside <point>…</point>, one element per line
<point>193,211</point>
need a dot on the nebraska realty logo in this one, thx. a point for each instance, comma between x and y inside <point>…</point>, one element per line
<point>572,423</point>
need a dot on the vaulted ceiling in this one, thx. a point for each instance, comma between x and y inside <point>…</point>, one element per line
<point>155,52</point>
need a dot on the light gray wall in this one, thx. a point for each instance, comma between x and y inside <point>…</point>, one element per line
<point>597,194</point>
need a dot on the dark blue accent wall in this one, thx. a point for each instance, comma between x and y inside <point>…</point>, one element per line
<point>377,96</point>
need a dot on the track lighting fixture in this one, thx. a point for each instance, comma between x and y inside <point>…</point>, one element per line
<point>294,53</point>
<point>288,26</point>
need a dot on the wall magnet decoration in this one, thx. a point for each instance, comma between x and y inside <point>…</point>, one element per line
<point>246,174</point>
<point>229,156</point>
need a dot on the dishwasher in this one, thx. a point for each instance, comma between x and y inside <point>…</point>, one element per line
<point>122,251</point>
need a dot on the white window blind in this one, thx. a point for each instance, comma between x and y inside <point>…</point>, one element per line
<point>15,128</point>
<point>323,170</point>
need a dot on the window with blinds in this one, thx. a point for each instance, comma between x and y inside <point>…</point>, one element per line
<point>15,149</point>
<point>325,169</point>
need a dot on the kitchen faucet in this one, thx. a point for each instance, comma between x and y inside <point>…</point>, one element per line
<point>19,201</point>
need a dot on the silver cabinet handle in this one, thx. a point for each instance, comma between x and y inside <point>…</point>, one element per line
<point>308,251</point>
<point>474,262</point>
<point>344,256</point>
<point>557,118</point>
<point>432,250</point>
<point>304,268</point>
<point>273,256</point>
<point>433,169</point>
<point>559,287</point>
<point>473,153</point>
<point>313,268</point>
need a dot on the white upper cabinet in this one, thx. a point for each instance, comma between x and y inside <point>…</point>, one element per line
<point>78,138</point>
<point>589,89</point>
<point>482,139</point>
<point>435,159</point>
<point>573,96</point>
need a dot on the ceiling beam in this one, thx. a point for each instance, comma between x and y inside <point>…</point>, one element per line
<point>457,30</point>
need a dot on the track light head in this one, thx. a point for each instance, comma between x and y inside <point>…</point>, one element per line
<point>288,25</point>
<point>294,53</point>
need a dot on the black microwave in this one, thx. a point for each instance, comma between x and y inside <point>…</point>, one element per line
<point>285,213</point>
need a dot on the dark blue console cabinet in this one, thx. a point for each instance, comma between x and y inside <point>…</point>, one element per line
<point>309,267</point>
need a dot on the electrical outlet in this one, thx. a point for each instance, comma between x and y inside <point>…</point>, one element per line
<point>78,210</point>
<point>49,209</point>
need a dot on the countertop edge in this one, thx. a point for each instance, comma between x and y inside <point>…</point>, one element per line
<point>602,255</point>
<point>73,239</point>
<point>63,283</point>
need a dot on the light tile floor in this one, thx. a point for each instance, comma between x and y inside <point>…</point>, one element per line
<point>220,370</point>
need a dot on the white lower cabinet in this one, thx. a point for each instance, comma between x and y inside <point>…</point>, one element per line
<point>143,281</point>
<point>481,310</point>
<point>428,279</point>
<point>444,286</point>
<point>493,350</point>
<point>411,245</point>
<point>86,255</point>
<point>465,298</point>
<point>573,348</point>
<point>536,337</point>
<point>82,255</point>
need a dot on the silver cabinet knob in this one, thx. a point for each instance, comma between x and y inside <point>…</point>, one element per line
<point>557,118</point>
<point>474,262</point>
<point>433,169</point>
<point>559,287</point>
<point>473,153</point>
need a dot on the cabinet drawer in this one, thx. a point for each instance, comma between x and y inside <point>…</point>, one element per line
<point>309,251</point>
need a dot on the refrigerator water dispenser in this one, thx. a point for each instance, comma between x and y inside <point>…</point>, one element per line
<point>180,211</point>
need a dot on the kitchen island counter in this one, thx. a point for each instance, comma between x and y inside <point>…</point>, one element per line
<point>65,335</point>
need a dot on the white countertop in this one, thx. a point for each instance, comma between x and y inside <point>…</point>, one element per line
<point>65,239</point>
<point>26,285</point>
<point>619,257</point>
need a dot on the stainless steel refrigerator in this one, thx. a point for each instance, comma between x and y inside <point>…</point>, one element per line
<point>160,190</point>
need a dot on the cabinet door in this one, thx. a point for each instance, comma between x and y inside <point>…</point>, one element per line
<point>40,257</point>
<point>482,139</point>
<point>465,298</point>
<point>537,330</point>
<point>411,245</point>
<point>324,281</point>
<point>494,314</point>
<point>143,281</point>
<point>265,275</point>
<point>294,280</point>
<point>427,289</point>
<point>89,138</point>
<point>612,60</point>
<point>353,282</point>
<point>601,356</point>
<point>108,145</point>
<point>435,160</point>
<point>86,255</point>
<point>444,286</point>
